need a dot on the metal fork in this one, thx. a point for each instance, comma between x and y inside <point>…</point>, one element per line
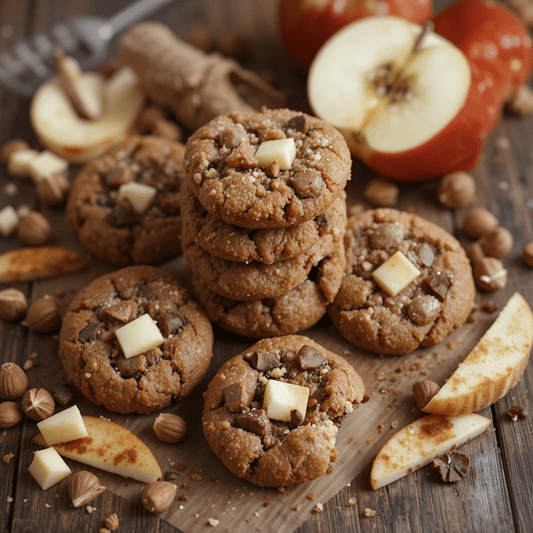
<point>29,62</point>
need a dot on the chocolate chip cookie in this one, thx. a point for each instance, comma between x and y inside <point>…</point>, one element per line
<point>427,310</point>
<point>256,280</point>
<point>125,206</point>
<point>234,183</point>
<point>247,427</point>
<point>235,243</point>
<point>297,310</point>
<point>94,360</point>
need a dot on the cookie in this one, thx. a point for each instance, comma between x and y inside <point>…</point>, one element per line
<point>427,310</point>
<point>105,221</point>
<point>92,355</point>
<point>271,452</point>
<point>235,243</point>
<point>231,184</point>
<point>297,310</point>
<point>255,280</point>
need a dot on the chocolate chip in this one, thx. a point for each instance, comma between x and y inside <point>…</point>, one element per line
<point>89,333</point>
<point>255,420</point>
<point>233,136</point>
<point>169,323</point>
<point>122,311</point>
<point>62,393</point>
<point>309,358</point>
<point>265,361</point>
<point>426,254</point>
<point>123,215</point>
<point>273,169</point>
<point>298,123</point>
<point>385,235</point>
<point>147,292</point>
<point>517,411</point>
<point>424,309</point>
<point>243,156</point>
<point>452,466</point>
<point>323,221</point>
<point>118,176</point>
<point>307,183</point>
<point>296,418</point>
<point>131,366</point>
<point>237,398</point>
<point>439,283</point>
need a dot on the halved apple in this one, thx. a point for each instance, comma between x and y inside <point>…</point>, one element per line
<point>59,127</point>
<point>493,367</point>
<point>417,444</point>
<point>112,448</point>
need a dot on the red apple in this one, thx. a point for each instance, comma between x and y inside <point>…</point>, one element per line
<point>431,111</point>
<point>305,25</point>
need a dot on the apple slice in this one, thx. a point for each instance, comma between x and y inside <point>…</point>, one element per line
<point>112,448</point>
<point>493,367</point>
<point>417,444</point>
<point>60,128</point>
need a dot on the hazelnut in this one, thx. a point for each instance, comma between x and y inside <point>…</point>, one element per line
<point>44,315</point>
<point>10,414</point>
<point>497,242</point>
<point>167,129</point>
<point>456,190</point>
<point>169,427</point>
<point>38,404</point>
<point>33,229</point>
<point>423,391</point>
<point>475,253</point>
<point>15,145</point>
<point>490,275</point>
<point>158,496</point>
<point>53,190</point>
<point>520,103</point>
<point>479,221</point>
<point>528,253</point>
<point>13,381</point>
<point>83,488</point>
<point>381,192</point>
<point>13,304</point>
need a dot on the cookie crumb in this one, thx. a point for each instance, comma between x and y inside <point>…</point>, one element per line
<point>9,499</point>
<point>369,512</point>
<point>381,428</point>
<point>351,502</point>
<point>47,505</point>
<point>186,486</point>
<point>267,502</point>
<point>517,411</point>
<point>311,496</point>
<point>181,467</point>
<point>319,508</point>
<point>297,507</point>
<point>196,476</point>
<point>111,522</point>
<point>7,458</point>
<point>490,307</point>
<point>104,530</point>
<point>213,522</point>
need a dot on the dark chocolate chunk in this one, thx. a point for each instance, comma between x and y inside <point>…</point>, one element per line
<point>171,476</point>
<point>147,292</point>
<point>123,215</point>
<point>309,358</point>
<point>89,333</point>
<point>102,200</point>
<point>299,123</point>
<point>265,361</point>
<point>323,221</point>
<point>386,235</point>
<point>62,393</point>
<point>307,183</point>
<point>236,397</point>
<point>424,309</point>
<point>439,283</point>
<point>296,418</point>
<point>452,466</point>
<point>233,136</point>
<point>118,176</point>
<point>133,365</point>
<point>426,254</point>
<point>122,311</point>
<point>517,411</point>
<point>255,420</point>
<point>243,156</point>
<point>273,169</point>
<point>169,323</point>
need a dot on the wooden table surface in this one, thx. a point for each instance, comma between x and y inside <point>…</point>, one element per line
<point>495,496</point>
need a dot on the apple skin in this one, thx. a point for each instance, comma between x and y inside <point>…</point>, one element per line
<point>479,29</point>
<point>305,25</point>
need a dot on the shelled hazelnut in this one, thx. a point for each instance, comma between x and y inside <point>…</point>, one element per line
<point>456,190</point>
<point>44,315</point>
<point>13,304</point>
<point>497,242</point>
<point>13,381</point>
<point>479,221</point>
<point>33,229</point>
<point>490,275</point>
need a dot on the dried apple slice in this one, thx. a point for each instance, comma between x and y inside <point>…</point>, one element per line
<point>39,262</point>
<point>417,444</point>
<point>493,367</point>
<point>112,448</point>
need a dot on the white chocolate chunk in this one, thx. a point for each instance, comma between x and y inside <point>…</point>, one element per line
<point>396,273</point>
<point>63,427</point>
<point>139,196</point>
<point>19,163</point>
<point>281,398</point>
<point>281,150</point>
<point>46,164</point>
<point>9,220</point>
<point>48,468</point>
<point>138,336</point>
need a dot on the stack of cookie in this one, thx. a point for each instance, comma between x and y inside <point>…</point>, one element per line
<point>263,219</point>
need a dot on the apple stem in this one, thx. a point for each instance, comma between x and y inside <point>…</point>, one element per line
<point>426,28</point>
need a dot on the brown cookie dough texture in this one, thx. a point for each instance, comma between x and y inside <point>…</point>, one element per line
<point>220,165</point>
<point>236,243</point>
<point>269,452</point>
<point>427,310</point>
<point>93,358</point>
<point>297,310</point>
<point>255,280</point>
<point>107,225</point>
